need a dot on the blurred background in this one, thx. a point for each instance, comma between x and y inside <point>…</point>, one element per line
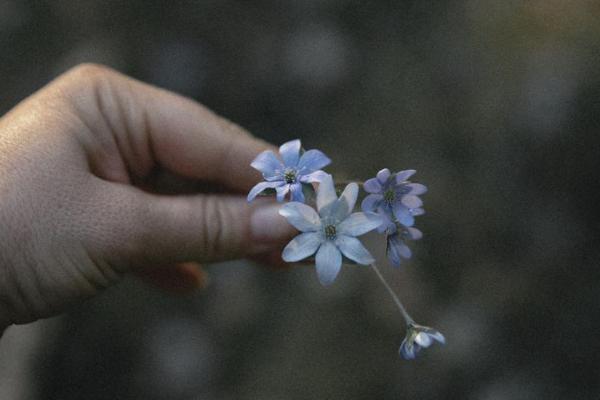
<point>495,103</point>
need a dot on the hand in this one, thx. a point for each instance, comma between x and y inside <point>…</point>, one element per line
<point>79,166</point>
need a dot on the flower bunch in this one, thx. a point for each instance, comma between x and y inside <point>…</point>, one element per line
<point>329,232</point>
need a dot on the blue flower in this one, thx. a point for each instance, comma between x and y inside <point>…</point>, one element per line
<point>331,232</point>
<point>394,195</point>
<point>418,337</point>
<point>289,175</point>
<point>397,234</point>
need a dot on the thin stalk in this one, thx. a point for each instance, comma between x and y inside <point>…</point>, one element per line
<point>407,317</point>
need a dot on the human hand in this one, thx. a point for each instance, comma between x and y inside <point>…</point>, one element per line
<point>79,162</point>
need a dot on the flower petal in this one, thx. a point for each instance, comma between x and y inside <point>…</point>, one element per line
<point>423,339</point>
<point>372,186</point>
<point>371,202</point>
<point>352,248</point>
<point>267,163</point>
<point>403,215</point>
<point>290,153</point>
<point>325,193</point>
<point>392,254</point>
<point>408,350</point>
<point>345,204</point>
<point>261,186</point>
<point>359,223</point>
<point>402,176</point>
<point>400,248</point>
<point>417,189</point>
<point>411,201</point>
<point>302,246</point>
<point>435,335</point>
<point>417,211</point>
<point>316,176</point>
<point>282,191</point>
<point>414,233</point>
<point>313,160</point>
<point>296,190</point>
<point>383,175</point>
<point>301,216</point>
<point>328,262</point>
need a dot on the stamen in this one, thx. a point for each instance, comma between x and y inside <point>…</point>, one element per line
<point>290,176</point>
<point>330,232</point>
<point>389,196</point>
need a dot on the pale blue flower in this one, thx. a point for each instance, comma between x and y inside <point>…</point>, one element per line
<point>418,337</point>
<point>331,232</point>
<point>394,195</point>
<point>289,173</point>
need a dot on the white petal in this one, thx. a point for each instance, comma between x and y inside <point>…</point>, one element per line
<point>360,223</point>
<point>329,262</point>
<point>325,193</point>
<point>423,339</point>
<point>303,217</point>
<point>345,204</point>
<point>352,248</point>
<point>302,246</point>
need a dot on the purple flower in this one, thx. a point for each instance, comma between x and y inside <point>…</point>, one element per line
<point>331,232</point>
<point>418,337</point>
<point>289,173</point>
<point>394,195</point>
<point>397,234</point>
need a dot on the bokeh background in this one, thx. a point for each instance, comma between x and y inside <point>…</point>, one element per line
<point>495,103</point>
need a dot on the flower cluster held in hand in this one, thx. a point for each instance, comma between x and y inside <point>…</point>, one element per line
<point>330,232</point>
<point>397,199</point>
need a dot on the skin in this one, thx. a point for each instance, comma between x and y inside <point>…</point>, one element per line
<point>81,164</point>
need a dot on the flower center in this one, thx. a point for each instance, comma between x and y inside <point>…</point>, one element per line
<point>289,175</point>
<point>389,196</point>
<point>330,232</point>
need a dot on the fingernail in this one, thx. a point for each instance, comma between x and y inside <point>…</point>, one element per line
<point>268,227</point>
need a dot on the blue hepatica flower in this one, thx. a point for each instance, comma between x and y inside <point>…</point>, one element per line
<point>397,235</point>
<point>394,195</point>
<point>289,173</point>
<point>418,337</point>
<point>331,232</point>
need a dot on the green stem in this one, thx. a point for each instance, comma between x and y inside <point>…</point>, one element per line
<point>407,318</point>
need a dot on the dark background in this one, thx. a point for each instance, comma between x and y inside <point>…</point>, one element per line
<point>495,103</point>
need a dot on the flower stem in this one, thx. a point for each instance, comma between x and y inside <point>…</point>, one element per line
<point>407,318</point>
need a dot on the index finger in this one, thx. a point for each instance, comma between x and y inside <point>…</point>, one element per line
<point>172,131</point>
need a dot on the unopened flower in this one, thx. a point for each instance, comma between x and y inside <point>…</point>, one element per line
<point>331,232</point>
<point>418,337</point>
<point>394,195</point>
<point>289,173</point>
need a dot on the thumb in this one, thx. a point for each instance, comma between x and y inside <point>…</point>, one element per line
<point>146,229</point>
